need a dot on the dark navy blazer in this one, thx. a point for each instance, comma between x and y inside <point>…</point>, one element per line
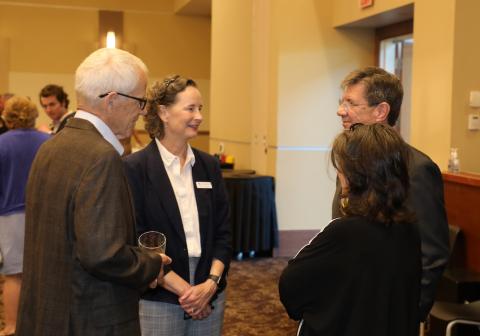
<point>156,209</point>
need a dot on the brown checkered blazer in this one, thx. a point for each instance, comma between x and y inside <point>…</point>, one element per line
<point>82,274</point>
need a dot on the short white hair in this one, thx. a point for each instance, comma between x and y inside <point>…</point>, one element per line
<point>106,70</point>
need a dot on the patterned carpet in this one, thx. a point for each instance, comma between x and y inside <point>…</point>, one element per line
<point>253,307</point>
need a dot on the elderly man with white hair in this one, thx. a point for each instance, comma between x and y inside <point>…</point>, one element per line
<point>82,271</point>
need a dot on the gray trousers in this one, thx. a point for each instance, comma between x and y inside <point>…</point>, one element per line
<point>166,319</point>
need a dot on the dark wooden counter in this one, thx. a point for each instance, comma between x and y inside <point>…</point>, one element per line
<point>462,202</point>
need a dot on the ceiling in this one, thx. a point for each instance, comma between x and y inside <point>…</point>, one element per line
<point>179,7</point>
<point>193,7</point>
<point>395,15</point>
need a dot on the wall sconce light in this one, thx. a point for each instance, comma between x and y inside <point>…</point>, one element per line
<point>110,29</point>
<point>111,39</point>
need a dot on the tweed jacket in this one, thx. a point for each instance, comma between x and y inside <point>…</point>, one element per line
<point>82,272</point>
<point>426,201</point>
<point>156,208</point>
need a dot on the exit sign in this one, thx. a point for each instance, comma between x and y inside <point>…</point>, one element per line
<point>366,3</point>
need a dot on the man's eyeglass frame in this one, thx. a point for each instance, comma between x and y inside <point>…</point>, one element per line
<point>347,106</point>
<point>142,102</point>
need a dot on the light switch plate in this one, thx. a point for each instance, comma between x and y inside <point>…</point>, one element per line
<point>473,122</point>
<point>475,98</point>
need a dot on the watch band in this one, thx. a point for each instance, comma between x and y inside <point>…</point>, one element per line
<point>215,278</point>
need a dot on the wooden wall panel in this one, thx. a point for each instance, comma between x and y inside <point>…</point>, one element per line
<point>462,202</point>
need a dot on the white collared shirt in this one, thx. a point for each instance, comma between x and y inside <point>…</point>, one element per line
<point>182,184</point>
<point>101,127</point>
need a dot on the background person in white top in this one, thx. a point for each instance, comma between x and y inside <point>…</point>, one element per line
<point>179,191</point>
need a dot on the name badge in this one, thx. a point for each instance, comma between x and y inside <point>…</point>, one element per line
<point>204,185</point>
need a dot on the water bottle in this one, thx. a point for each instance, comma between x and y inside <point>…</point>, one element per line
<point>453,162</point>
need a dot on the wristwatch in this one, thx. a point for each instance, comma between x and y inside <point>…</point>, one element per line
<point>215,278</point>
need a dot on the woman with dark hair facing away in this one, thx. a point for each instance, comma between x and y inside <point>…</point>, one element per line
<point>360,276</point>
<point>179,191</point>
<point>18,147</point>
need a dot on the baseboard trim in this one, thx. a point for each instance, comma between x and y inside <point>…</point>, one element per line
<point>290,241</point>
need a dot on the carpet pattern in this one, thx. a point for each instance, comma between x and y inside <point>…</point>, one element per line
<point>253,306</point>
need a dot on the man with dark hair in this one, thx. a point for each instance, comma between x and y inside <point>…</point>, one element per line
<point>372,95</point>
<point>54,101</point>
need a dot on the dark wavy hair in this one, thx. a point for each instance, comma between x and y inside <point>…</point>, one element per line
<point>374,160</point>
<point>57,91</point>
<point>163,93</point>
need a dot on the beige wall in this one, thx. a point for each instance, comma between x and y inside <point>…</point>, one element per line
<point>45,43</point>
<point>279,67</point>
<point>466,78</point>
<point>264,121</point>
<point>4,63</point>
<point>273,77</point>
<point>312,59</point>
<point>301,64</point>
<point>231,79</point>
<point>444,70</point>
<point>47,39</point>
<point>432,79</point>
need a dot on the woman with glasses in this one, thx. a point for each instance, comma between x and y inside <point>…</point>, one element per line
<point>360,276</point>
<point>179,191</point>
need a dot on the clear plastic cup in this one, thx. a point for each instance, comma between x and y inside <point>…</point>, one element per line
<point>153,241</point>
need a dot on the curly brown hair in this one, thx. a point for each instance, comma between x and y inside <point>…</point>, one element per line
<point>374,160</point>
<point>163,93</point>
<point>20,112</point>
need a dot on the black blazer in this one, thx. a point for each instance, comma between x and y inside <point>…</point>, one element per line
<point>156,208</point>
<point>426,201</point>
<point>63,122</point>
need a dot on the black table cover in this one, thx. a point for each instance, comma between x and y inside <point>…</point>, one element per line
<point>253,215</point>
